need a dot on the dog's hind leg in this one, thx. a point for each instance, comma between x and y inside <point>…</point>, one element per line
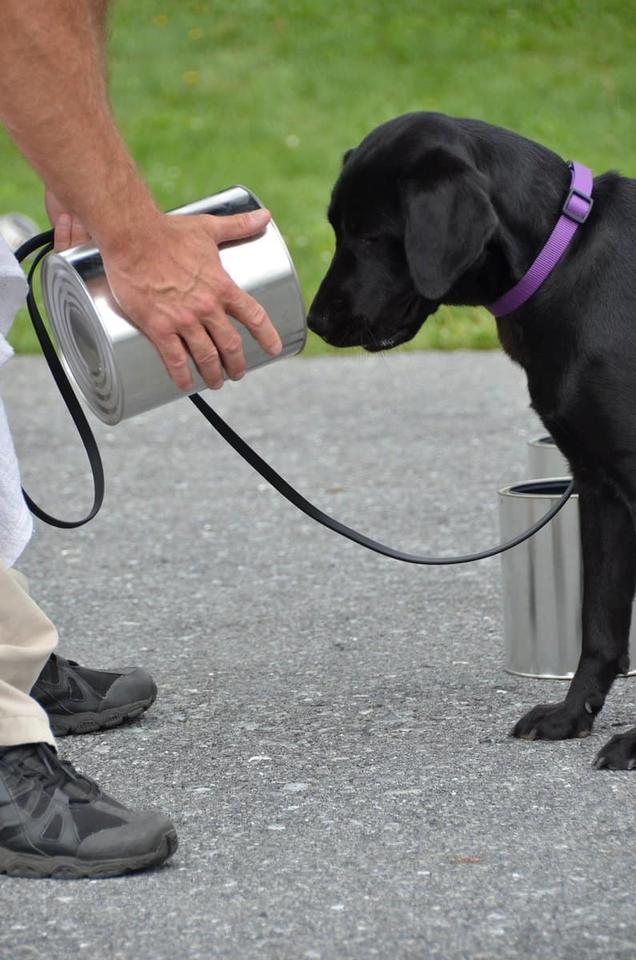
<point>608,542</point>
<point>619,753</point>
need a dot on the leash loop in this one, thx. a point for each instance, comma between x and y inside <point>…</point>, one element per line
<point>294,497</point>
<point>43,243</point>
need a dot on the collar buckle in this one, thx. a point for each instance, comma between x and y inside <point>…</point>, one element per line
<point>577,206</point>
<point>574,212</point>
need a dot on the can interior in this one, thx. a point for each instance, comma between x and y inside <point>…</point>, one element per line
<point>85,340</point>
<point>541,488</point>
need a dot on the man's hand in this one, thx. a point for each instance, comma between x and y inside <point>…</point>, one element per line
<point>164,271</point>
<point>68,229</point>
<point>170,283</point>
<point>168,279</point>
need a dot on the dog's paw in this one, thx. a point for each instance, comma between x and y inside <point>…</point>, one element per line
<point>619,753</point>
<point>553,721</point>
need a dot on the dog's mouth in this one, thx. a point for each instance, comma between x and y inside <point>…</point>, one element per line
<point>350,334</point>
<point>366,339</point>
<point>373,343</point>
<point>339,340</point>
<point>387,343</point>
<point>359,331</point>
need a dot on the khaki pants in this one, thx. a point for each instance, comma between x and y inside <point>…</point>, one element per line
<point>27,637</point>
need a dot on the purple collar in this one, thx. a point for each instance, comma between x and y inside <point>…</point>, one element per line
<point>575,211</point>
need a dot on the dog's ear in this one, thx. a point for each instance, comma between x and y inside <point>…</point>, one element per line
<point>448,223</point>
<point>346,155</point>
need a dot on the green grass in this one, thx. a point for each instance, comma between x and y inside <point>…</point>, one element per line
<point>270,93</point>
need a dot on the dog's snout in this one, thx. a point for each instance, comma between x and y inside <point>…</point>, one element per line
<point>322,318</point>
<point>316,321</point>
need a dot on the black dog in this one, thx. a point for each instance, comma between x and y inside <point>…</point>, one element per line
<point>429,210</point>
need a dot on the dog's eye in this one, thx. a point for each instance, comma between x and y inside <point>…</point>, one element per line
<point>368,240</point>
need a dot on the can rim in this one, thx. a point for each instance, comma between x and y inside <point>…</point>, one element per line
<point>547,488</point>
<point>543,441</point>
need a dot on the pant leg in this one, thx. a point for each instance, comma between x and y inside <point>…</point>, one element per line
<point>27,637</point>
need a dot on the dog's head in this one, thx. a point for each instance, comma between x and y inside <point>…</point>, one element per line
<point>412,216</point>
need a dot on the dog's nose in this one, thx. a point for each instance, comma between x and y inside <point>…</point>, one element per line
<point>317,322</point>
<point>323,320</point>
<point>311,321</point>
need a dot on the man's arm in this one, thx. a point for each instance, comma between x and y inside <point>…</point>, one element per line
<point>99,13</point>
<point>164,271</point>
<point>69,230</point>
<point>54,103</point>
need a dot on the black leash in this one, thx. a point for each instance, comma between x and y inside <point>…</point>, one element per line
<point>43,243</point>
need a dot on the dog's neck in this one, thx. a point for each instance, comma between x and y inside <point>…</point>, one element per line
<point>528,205</point>
<point>527,210</point>
<point>574,213</point>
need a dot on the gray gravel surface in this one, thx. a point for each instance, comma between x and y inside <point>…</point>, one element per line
<point>330,735</point>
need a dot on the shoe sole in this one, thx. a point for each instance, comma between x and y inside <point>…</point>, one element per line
<point>69,868</point>
<point>64,725</point>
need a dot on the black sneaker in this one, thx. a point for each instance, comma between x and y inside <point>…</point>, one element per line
<point>54,822</point>
<point>79,700</point>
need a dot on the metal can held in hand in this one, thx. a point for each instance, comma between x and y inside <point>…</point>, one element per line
<point>116,368</point>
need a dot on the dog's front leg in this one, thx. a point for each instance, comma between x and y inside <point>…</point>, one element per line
<point>609,570</point>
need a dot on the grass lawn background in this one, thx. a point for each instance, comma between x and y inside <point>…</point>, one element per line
<point>270,93</point>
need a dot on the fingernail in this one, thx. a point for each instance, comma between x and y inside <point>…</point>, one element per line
<point>275,349</point>
<point>262,215</point>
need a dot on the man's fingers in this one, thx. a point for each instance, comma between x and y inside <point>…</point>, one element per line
<point>175,359</point>
<point>177,293</point>
<point>78,233</point>
<point>239,226</point>
<point>68,232</point>
<point>228,342</point>
<point>206,353</point>
<point>250,313</point>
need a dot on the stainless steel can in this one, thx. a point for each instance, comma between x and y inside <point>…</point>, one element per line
<point>115,367</point>
<point>545,459</point>
<point>543,583</point>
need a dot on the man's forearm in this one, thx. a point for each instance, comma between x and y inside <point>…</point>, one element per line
<point>165,272</point>
<point>54,103</point>
<point>99,13</point>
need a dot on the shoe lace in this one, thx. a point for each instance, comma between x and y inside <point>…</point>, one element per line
<point>55,773</point>
<point>62,661</point>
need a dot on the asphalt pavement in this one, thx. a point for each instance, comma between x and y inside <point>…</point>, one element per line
<point>331,732</point>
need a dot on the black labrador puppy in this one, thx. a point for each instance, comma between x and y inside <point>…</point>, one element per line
<point>430,210</point>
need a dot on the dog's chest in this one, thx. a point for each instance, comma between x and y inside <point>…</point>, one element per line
<point>512,339</point>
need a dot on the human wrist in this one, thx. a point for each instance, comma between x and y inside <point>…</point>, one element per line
<point>126,236</point>
<point>121,225</point>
